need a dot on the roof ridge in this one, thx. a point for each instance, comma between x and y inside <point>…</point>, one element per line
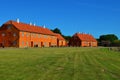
<point>25,23</point>
<point>85,37</point>
<point>30,28</point>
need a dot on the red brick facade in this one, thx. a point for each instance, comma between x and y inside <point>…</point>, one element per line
<point>16,34</point>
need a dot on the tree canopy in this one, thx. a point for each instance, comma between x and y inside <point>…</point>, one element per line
<point>116,43</point>
<point>108,40</point>
<point>67,37</point>
<point>108,37</point>
<point>56,30</point>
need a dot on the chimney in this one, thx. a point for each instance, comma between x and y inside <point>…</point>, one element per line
<point>30,23</point>
<point>18,20</point>
<point>34,24</point>
<point>44,26</point>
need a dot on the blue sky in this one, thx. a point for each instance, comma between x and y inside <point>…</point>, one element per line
<point>96,17</point>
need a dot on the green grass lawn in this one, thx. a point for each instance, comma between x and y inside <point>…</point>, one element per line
<point>59,64</point>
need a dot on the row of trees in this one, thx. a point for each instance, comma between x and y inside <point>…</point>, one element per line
<point>104,40</point>
<point>108,40</point>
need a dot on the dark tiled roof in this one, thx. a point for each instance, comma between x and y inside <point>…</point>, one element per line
<point>30,28</point>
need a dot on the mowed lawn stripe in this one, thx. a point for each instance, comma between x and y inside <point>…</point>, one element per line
<point>80,67</point>
<point>54,70</point>
<point>110,67</point>
<point>35,66</point>
<point>99,68</point>
<point>59,64</point>
<point>89,67</point>
<point>92,66</point>
<point>45,67</point>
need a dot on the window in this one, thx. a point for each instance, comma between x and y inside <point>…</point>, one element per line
<point>44,36</point>
<point>3,34</point>
<point>23,43</point>
<point>22,33</point>
<point>45,44</point>
<point>14,43</point>
<point>14,34</point>
<point>93,43</point>
<point>3,42</point>
<point>34,43</point>
<point>41,35</point>
<point>39,44</point>
<point>27,43</point>
<point>8,27</point>
<point>38,35</point>
<point>31,34</point>
<point>34,35</point>
<point>27,34</point>
<point>53,37</point>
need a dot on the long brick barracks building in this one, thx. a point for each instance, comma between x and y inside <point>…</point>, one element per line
<point>17,34</point>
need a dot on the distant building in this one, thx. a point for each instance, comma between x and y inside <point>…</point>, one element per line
<point>105,43</point>
<point>83,40</point>
<point>60,40</point>
<point>17,34</point>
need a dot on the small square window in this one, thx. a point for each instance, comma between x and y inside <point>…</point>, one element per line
<point>45,43</point>
<point>22,33</point>
<point>14,43</point>
<point>45,36</point>
<point>27,43</point>
<point>27,34</point>
<point>38,35</point>
<point>3,34</point>
<point>22,42</point>
<point>14,34</point>
<point>34,35</point>
<point>8,27</point>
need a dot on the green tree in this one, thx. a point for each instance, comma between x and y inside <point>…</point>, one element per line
<point>108,37</point>
<point>116,43</point>
<point>67,37</point>
<point>56,30</point>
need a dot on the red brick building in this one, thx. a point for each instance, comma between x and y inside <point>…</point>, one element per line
<point>17,34</point>
<point>83,40</point>
<point>60,40</point>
